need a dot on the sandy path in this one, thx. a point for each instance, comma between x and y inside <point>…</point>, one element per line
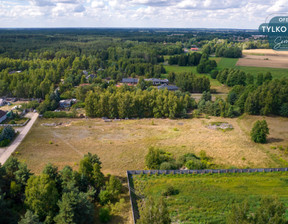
<point>6,152</point>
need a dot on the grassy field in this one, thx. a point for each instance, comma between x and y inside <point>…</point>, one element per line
<point>231,63</point>
<point>208,198</point>
<point>122,145</point>
<point>178,69</point>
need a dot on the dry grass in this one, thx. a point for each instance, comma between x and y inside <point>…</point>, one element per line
<point>265,52</point>
<point>263,61</point>
<point>122,145</point>
<point>265,58</point>
<point>278,137</point>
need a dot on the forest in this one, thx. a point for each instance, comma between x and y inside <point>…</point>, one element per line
<point>56,196</point>
<point>89,64</point>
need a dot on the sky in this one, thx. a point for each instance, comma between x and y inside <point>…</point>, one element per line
<point>241,14</point>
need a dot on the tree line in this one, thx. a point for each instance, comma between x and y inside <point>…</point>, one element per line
<point>232,77</point>
<point>270,98</point>
<point>118,103</point>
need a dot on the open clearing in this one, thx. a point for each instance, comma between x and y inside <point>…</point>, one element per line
<point>122,145</point>
<point>208,198</point>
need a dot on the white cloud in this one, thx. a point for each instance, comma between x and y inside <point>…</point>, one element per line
<point>137,13</point>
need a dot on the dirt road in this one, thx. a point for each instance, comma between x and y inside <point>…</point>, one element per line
<point>6,152</point>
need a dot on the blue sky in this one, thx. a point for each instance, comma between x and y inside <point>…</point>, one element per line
<point>139,13</point>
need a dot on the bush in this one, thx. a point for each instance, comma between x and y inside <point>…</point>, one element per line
<point>104,215</point>
<point>195,164</point>
<point>156,157</point>
<point>104,197</point>
<point>170,191</point>
<point>7,133</point>
<point>62,114</point>
<point>284,110</point>
<point>214,74</point>
<point>4,143</point>
<point>167,166</point>
<point>259,132</point>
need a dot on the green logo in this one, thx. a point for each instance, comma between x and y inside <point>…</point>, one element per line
<point>277,32</point>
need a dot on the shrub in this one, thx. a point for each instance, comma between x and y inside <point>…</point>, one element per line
<point>104,197</point>
<point>195,164</point>
<point>284,110</point>
<point>156,157</point>
<point>62,114</point>
<point>259,132</point>
<point>170,191</point>
<point>104,215</point>
<point>4,143</point>
<point>167,166</point>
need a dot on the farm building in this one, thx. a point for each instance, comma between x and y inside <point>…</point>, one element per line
<point>170,88</point>
<point>66,103</point>
<point>132,81</point>
<point>158,81</point>
<point>3,115</point>
<point>90,77</point>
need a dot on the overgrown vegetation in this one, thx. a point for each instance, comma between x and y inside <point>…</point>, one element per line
<point>220,198</point>
<point>160,160</point>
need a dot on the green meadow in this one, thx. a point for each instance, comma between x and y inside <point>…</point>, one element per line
<point>208,198</point>
<point>277,73</point>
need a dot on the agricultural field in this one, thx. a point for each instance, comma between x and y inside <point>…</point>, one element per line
<point>208,198</point>
<point>122,145</point>
<point>269,61</point>
<point>252,68</point>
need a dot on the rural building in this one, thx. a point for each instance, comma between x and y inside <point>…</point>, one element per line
<point>90,77</point>
<point>2,102</point>
<point>85,72</point>
<point>67,103</point>
<point>158,81</point>
<point>132,81</point>
<point>194,49</point>
<point>170,88</point>
<point>12,72</point>
<point>3,116</point>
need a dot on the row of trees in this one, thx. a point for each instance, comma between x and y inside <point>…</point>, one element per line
<point>191,83</point>
<point>54,196</point>
<point>120,103</point>
<point>233,77</point>
<point>192,59</point>
<point>223,48</point>
<point>269,98</point>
